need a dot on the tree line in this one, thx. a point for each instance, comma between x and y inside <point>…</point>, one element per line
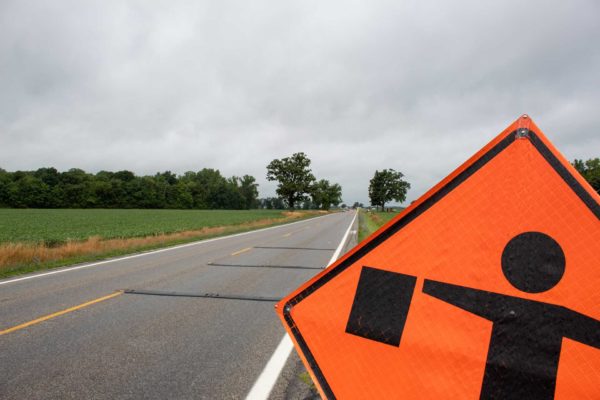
<point>205,189</point>
<point>75,188</point>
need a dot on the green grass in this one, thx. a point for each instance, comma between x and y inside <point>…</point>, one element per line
<point>369,222</point>
<point>306,379</point>
<point>61,225</point>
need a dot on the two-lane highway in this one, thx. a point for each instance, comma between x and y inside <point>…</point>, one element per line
<point>73,333</point>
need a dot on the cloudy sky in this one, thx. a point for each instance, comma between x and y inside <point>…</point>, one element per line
<point>417,86</point>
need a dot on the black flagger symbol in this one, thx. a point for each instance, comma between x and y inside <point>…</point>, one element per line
<point>526,339</point>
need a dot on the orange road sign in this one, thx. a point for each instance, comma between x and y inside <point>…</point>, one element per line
<point>486,287</point>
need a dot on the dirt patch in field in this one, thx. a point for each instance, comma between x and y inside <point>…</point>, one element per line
<point>298,214</point>
<point>26,254</point>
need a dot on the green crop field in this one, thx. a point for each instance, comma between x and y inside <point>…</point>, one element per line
<point>61,225</point>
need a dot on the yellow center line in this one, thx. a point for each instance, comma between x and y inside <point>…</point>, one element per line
<point>59,313</point>
<point>297,231</point>
<point>241,251</point>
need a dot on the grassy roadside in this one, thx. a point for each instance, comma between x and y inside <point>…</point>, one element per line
<point>21,257</point>
<point>370,221</point>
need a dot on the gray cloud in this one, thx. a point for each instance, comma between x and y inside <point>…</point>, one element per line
<point>358,86</point>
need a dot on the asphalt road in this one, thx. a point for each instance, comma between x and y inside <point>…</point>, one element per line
<point>134,346</point>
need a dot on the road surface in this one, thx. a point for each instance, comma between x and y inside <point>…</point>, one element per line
<point>71,335</point>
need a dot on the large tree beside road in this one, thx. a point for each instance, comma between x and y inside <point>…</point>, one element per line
<point>387,185</point>
<point>324,194</point>
<point>294,176</point>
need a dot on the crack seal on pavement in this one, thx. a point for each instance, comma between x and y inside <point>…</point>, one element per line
<point>262,266</point>
<point>203,295</point>
<point>291,248</point>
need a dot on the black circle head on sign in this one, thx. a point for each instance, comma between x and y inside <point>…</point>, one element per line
<point>533,262</point>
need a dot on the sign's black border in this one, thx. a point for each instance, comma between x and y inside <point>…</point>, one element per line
<point>548,155</point>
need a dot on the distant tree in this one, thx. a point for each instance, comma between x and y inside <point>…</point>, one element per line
<point>266,203</point>
<point>271,203</point>
<point>278,204</point>
<point>294,177</point>
<point>211,191</point>
<point>168,177</point>
<point>124,175</point>
<point>307,205</point>
<point>590,170</point>
<point>324,194</point>
<point>31,192</point>
<point>166,191</point>
<point>249,191</point>
<point>334,196</point>
<point>344,205</point>
<point>49,176</point>
<point>357,205</point>
<point>107,195</point>
<point>387,185</point>
<point>5,180</point>
<point>75,189</point>
<point>183,195</point>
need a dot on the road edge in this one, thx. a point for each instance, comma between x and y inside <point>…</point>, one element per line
<point>265,382</point>
<point>145,253</point>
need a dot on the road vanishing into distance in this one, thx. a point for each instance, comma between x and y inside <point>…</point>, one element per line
<point>133,328</point>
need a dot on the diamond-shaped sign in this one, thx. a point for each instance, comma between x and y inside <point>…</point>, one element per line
<point>486,287</point>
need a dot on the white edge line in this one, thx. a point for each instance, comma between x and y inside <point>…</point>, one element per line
<point>336,255</point>
<point>266,381</point>
<point>268,377</point>
<point>60,271</point>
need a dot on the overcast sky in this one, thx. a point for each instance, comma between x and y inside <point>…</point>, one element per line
<point>417,86</point>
